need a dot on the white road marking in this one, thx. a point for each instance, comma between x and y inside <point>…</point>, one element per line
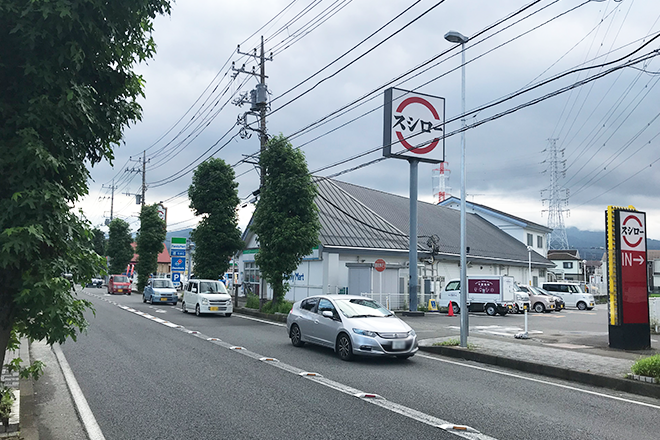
<point>87,417</point>
<point>279,324</point>
<point>531,379</point>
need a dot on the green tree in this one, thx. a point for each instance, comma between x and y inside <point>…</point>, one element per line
<point>214,194</point>
<point>286,218</point>
<point>149,241</point>
<point>68,91</point>
<point>120,251</point>
<point>99,241</point>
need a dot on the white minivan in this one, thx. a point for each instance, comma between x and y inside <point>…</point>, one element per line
<point>206,296</point>
<point>572,294</point>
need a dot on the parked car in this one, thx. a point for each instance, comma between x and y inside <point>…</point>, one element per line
<point>521,301</point>
<point>492,294</point>
<point>119,284</point>
<point>540,301</point>
<point>572,294</point>
<point>350,325</point>
<point>95,282</point>
<point>206,296</point>
<point>160,290</point>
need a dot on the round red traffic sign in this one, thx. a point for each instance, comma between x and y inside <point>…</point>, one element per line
<point>379,265</point>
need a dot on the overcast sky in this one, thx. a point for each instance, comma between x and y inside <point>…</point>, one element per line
<point>605,130</point>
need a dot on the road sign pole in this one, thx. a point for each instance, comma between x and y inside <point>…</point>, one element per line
<point>412,253</point>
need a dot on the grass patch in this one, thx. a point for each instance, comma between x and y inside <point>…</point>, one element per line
<point>649,366</point>
<point>452,343</point>
<point>282,307</point>
<point>252,301</point>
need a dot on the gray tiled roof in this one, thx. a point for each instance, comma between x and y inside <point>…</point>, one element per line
<point>356,216</point>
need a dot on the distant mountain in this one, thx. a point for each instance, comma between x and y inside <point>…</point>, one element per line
<point>591,244</point>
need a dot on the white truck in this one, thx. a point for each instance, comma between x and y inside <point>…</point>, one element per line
<point>492,294</point>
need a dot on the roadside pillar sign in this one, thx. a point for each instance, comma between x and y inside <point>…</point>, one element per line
<point>379,265</point>
<point>629,326</point>
<point>414,126</point>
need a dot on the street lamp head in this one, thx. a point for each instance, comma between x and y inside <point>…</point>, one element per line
<point>456,37</point>
<point>529,248</point>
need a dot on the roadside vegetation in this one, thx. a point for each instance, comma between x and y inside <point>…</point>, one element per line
<point>649,366</point>
<point>270,308</point>
<point>149,243</point>
<point>453,343</point>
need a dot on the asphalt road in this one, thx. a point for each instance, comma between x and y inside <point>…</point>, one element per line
<point>145,380</point>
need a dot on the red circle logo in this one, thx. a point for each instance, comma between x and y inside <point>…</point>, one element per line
<point>632,245</point>
<point>417,100</point>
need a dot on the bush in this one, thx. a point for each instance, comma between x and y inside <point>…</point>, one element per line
<point>252,301</point>
<point>6,402</point>
<point>422,309</point>
<point>649,366</point>
<point>282,307</point>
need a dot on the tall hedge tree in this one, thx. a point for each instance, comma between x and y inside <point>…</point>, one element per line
<point>99,241</point>
<point>149,242</point>
<point>119,249</point>
<point>68,91</point>
<point>286,218</point>
<point>214,195</point>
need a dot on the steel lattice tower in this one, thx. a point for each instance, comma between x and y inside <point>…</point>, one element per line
<point>440,176</point>
<point>557,197</point>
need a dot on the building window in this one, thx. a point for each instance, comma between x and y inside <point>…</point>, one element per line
<point>542,273</point>
<point>539,241</point>
<point>530,240</point>
<point>251,278</point>
<point>568,265</point>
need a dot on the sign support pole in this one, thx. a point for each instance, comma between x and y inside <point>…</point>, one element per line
<point>412,253</point>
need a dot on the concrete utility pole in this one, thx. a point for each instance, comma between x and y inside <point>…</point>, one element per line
<point>258,105</point>
<point>112,198</point>
<point>144,177</point>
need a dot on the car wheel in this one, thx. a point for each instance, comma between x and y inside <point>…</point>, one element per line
<point>183,308</point>
<point>581,306</point>
<point>296,336</point>
<point>539,308</point>
<point>455,308</point>
<point>144,299</point>
<point>491,310</point>
<point>227,315</point>
<point>151,300</point>
<point>344,347</point>
<point>197,311</point>
<point>129,292</point>
<point>515,309</point>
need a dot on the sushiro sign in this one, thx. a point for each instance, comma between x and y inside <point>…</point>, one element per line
<point>629,326</point>
<point>414,126</point>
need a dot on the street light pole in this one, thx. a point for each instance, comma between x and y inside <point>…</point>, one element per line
<point>584,268</point>
<point>529,251</point>
<point>455,37</point>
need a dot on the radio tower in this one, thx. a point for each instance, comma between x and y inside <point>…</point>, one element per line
<point>557,197</point>
<point>440,176</point>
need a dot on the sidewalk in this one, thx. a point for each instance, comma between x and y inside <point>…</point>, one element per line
<point>12,380</point>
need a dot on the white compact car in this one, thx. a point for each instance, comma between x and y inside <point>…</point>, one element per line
<point>206,296</point>
<point>572,294</point>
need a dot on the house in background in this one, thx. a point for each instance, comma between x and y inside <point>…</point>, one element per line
<point>361,225</point>
<point>569,265</point>
<point>529,233</point>
<point>164,262</point>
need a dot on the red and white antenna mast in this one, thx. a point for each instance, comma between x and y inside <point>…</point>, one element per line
<point>440,176</point>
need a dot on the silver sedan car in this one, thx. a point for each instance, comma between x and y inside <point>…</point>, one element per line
<point>350,325</point>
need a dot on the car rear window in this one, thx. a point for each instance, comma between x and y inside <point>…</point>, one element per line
<point>162,284</point>
<point>120,279</point>
<point>212,287</point>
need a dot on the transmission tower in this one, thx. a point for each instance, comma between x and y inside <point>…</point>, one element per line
<point>440,176</point>
<point>557,197</point>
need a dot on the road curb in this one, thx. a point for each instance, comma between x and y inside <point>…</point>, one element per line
<point>279,317</point>
<point>614,383</point>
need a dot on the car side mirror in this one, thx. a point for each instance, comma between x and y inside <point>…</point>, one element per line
<point>328,314</point>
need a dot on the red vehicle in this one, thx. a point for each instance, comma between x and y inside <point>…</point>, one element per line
<point>119,284</point>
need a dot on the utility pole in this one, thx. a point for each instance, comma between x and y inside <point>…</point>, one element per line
<point>112,198</point>
<point>258,105</point>
<point>557,197</point>
<point>144,178</point>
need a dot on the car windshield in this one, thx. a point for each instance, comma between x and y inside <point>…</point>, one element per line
<point>540,291</point>
<point>212,287</point>
<point>162,284</point>
<point>362,308</point>
<point>121,279</point>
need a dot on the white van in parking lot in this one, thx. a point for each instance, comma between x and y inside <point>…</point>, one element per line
<point>572,294</point>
